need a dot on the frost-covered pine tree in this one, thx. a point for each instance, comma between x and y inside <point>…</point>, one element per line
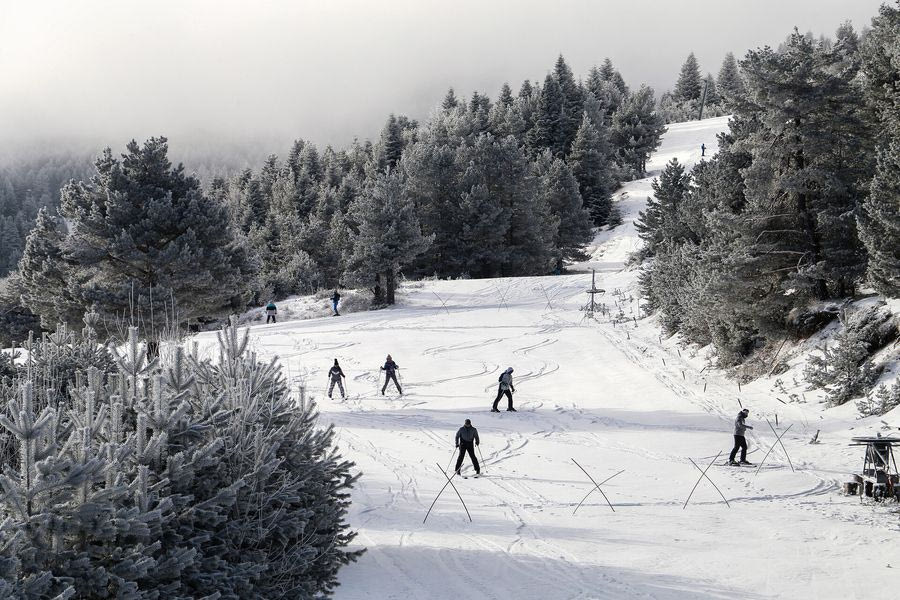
<point>879,220</point>
<point>177,479</point>
<point>560,188</point>
<point>690,83</point>
<point>388,234</point>
<point>879,223</point>
<point>661,220</point>
<point>730,82</point>
<point>636,130</point>
<point>593,170</point>
<point>141,236</point>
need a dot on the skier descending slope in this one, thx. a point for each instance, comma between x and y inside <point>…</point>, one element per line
<point>466,440</point>
<point>739,440</point>
<point>390,372</point>
<point>506,387</point>
<point>334,377</point>
<point>271,311</point>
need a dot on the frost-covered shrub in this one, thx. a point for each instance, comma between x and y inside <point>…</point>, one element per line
<point>881,401</point>
<point>65,356</point>
<point>189,479</point>
<point>845,370</point>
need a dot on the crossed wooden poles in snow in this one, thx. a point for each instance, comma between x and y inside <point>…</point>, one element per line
<point>597,488</point>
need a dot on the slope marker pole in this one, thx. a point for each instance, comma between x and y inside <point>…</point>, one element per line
<point>595,485</point>
<point>702,475</point>
<point>449,480</point>
<point>780,443</point>
<point>778,439</point>
<point>594,490</point>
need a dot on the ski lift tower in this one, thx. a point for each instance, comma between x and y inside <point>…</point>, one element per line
<point>593,292</point>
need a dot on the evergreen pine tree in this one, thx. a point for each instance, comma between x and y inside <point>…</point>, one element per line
<point>572,106</point>
<point>546,132</point>
<point>879,220</point>
<point>592,170</point>
<point>560,188</point>
<point>661,220</point>
<point>636,130</point>
<point>690,83</point>
<point>141,237</point>
<point>506,97</point>
<point>388,235</point>
<point>450,102</point>
<point>730,82</point>
<point>879,224</point>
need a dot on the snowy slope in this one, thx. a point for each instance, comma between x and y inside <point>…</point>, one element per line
<point>610,397</point>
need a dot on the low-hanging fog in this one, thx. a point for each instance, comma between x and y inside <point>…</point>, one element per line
<point>329,71</point>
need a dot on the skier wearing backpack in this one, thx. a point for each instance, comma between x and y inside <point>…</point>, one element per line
<point>334,377</point>
<point>466,440</point>
<point>740,442</point>
<point>390,372</point>
<point>335,298</point>
<point>506,387</point>
<point>271,311</point>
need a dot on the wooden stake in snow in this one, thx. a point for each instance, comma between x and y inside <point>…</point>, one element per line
<point>450,483</point>
<point>815,438</point>
<point>702,475</point>
<point>596,485</point>
<point>778,440</point>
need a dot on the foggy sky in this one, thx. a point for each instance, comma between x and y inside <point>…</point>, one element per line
<point>329,71</point>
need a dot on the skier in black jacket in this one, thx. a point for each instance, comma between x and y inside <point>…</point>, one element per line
<point>740,442</point>
<point>390,372</point>
<point>466,440</point>
<point>334,377</point>
<point>335,298</point>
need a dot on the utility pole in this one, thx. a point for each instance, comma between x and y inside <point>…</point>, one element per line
<point>703,100</point>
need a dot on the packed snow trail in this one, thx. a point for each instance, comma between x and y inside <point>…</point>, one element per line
<point>611,398</point>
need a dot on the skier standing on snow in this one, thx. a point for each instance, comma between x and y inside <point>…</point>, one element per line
<point>390,372</point>
<point>335,298</point>
<point>739,440</point>
<point>702,149</point>
<point>334,377</point>
<point>506,387</point>
<point>466,440</point>
<point>271,311</point>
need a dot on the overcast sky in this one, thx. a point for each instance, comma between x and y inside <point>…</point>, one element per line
<point>333,69</point>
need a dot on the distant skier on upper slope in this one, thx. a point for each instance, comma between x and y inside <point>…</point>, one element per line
<point>740,442</point>
<point>506,387</point>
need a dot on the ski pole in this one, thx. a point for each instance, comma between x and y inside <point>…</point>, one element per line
<point>483,463</point>
<point>451,459</point>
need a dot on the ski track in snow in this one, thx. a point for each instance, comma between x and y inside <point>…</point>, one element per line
<point>611,397</point>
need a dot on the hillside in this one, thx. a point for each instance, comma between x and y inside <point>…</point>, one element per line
<point>611,397</point>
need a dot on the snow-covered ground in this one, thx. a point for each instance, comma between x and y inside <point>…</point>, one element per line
<point>612,398</point>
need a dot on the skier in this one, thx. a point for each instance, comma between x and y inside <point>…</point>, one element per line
<point>334,377</point>
<point>739,440</point>
<point>271,311</point>
<point>506,387</point>
<point>702,149</point>
<point>464,441</point>
<point>335,298</point>
<point>390,372</point>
